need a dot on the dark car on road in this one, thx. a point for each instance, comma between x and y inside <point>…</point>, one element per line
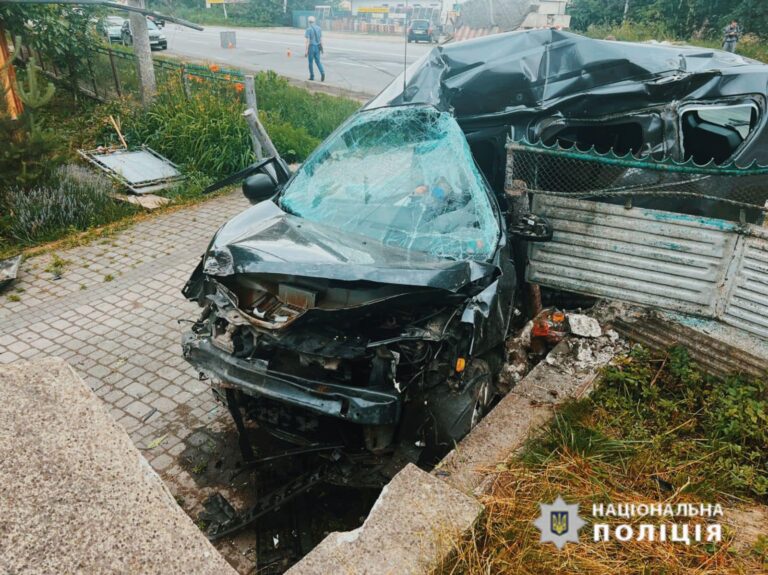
<point>157,40</point>
<point>422,31</point>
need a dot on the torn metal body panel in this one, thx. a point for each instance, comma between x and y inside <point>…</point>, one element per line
<point>557,88</point>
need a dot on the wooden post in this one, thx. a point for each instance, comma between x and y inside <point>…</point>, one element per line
<point>8,79</point>
<point>250,98</point>
<point>143,53</point>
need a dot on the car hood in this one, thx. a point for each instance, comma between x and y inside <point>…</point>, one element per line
<point>267,240</point>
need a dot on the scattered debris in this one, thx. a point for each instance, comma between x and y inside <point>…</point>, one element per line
<point>9,269</point>
<point>146,201</point>
<point>583,325</point>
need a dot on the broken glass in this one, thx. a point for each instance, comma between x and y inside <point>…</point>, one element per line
<point>404,177</point>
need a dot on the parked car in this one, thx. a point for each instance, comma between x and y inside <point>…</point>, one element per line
<point>157,39</point>
<point>112,28</point>
<point>422,31</point>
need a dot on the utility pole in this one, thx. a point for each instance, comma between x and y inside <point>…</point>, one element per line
<point>143,54</point>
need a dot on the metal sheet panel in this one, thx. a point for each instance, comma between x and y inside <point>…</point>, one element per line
<point>747,304</point>
<point>142,171</point>
<point>649,257</point>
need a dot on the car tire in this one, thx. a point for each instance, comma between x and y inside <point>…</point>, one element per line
<point>456,413</point>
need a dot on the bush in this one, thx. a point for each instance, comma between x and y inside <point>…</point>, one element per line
<point>204,130</point>
<point>76,199</point>
<point>26,155</point>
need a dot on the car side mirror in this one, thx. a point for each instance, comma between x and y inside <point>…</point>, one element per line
<point>259,187</point>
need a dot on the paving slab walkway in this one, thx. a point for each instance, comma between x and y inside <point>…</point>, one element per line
<point>114,316</point>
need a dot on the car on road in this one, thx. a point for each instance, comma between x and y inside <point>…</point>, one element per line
<point>112,28</point>
<point>157,40</point>
<point>422,31</point>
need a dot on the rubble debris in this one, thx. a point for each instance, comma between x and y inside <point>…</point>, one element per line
<point>584,325</point>
<point>9,269</point>
<point>146,201</point>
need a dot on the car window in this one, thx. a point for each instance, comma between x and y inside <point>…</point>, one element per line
<point>716,132</point>
<point>420,24</point>
<point>404,177</point>
<point>151,25</point>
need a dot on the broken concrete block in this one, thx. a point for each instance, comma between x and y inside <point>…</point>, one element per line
<point>76,496</point>
<point>413,524</point>
<point>583,325</point>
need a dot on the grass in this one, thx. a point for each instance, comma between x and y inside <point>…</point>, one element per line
<point>655,430</point>
<point>201,129</point>
<point>750,46</point>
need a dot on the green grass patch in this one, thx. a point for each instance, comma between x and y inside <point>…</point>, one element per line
<point>750,45</point>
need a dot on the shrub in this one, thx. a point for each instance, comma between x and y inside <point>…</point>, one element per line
<point>204,130</point>
<point>76,199</point>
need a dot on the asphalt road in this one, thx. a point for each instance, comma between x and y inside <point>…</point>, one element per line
<point>352,61</point>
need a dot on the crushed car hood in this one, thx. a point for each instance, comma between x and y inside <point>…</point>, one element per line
<point>264,239</point>
<point>514,77</point>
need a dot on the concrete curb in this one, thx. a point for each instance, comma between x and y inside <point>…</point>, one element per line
<point>418,518</point>
<point>76,496</point>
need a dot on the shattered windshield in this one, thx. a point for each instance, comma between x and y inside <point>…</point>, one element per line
<point>404,177</point>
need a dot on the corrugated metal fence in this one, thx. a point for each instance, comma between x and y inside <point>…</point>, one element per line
<point>703,266</point>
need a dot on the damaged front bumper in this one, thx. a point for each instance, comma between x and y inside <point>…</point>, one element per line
<point>360,405</point>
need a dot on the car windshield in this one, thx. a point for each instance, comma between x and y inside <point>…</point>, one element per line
<point>151,25</point>
<point>114,21</point>
<point>420,24</point>
<point>404,177</point>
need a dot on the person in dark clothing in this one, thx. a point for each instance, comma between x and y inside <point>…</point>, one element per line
<point>731,35</point>
<point>313,48</point>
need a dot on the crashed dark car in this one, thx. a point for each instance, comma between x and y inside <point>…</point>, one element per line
<point>364,301</point>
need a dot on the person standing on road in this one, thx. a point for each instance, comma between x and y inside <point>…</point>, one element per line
<point>313,48</point>
<point>731,35</point>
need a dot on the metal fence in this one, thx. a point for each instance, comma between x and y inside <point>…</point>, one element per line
<point>107,73</point>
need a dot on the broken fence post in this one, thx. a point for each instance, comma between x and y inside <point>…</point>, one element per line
<point>250,93</point>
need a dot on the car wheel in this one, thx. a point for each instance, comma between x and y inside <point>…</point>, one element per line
<point>455,413</point>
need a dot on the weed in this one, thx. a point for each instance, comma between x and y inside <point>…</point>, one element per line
<point>13,297</point>
<point>83,287</point>
<point>109,278</point>
<point>57,265</point>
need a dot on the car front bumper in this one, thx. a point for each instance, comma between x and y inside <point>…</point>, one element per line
<point>359,405</point>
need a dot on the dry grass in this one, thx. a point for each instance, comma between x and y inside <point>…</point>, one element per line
<point>506,541</point>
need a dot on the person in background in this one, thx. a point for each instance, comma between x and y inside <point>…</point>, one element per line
<point>313,48</point>
<point>731,35</point>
